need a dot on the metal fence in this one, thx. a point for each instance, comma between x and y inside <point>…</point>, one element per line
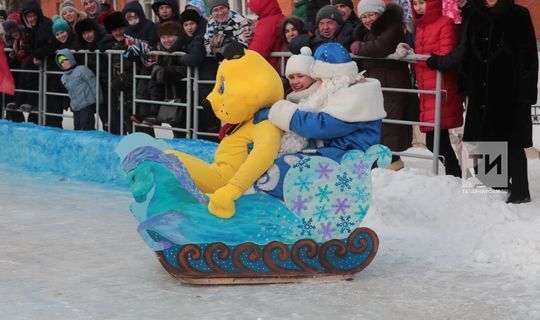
<point>191,105</point>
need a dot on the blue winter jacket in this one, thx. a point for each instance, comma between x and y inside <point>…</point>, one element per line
<point>80,83</point>
<point>338,136</point>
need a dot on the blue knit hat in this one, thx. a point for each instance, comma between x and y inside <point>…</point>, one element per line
<point>59,24</point>
<point>333,60</point>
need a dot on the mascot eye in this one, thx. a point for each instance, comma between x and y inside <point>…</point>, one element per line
<point>222,87</point>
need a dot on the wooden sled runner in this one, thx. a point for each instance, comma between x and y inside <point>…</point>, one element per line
<point>275,262</point>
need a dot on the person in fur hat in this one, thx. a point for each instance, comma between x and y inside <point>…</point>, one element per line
<point>344,113</point>
<point>378,36</point>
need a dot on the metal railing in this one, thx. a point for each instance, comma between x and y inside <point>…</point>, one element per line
<point>191,105</point>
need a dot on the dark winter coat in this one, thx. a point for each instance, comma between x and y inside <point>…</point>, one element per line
<point>437,33</point>
<point>385,34</point>
<point>39,37</point>
<point>343,37</point>
<point>145,29</point>
<point>500,74</point>
<point>93,46</point>
<point>267,38</point>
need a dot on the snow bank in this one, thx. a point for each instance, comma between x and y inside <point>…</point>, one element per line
<point>427,217</point>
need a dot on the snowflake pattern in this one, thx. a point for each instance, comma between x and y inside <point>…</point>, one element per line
<point>320,212</point>
<point>324,171</point>
<point>361,194</point>
<point>345,224</point>
<point>299,204</point>
<point>361,213</point>
<point>302,164</point>
<point>360,169</point>
<point>326,230</point>
<point>303,183</point>
<point>343,182</point>
<point>306,227</point>
<point>341,206</point>
<point>324,193</point>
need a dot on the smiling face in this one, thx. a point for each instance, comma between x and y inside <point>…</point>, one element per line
<point>300,81</point>
<point>118,34</point>
<point>69,15</point>
<point>91,7</point>
<point>62,36</point>
<point>168,40</point>
<point>369,18</point>
<point>220,13</point>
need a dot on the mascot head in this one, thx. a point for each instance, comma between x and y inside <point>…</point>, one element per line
<point>245,83</point>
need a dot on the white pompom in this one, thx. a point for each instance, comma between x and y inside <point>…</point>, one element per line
<point>306,51</point>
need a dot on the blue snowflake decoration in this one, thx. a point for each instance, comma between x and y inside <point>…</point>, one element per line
<point>331,210</point>
<point>306,227</point>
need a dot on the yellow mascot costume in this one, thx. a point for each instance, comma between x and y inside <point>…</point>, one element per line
<point>245,83</point>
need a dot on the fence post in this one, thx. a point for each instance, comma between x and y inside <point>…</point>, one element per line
<point>437,129</point>
<point>41,93</point>
<point>196,103</point>
<point>97,90</point>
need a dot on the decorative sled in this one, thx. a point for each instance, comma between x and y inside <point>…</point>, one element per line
<point>314,233</point>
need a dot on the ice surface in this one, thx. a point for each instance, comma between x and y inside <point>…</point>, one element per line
<point>70,250</point>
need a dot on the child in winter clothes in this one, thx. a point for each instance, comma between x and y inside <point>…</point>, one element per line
<point>80,83</point>
<point>344,113</point>
<point>298,72</point>
<point>436,33</point>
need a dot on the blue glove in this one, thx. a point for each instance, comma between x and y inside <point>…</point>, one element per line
<point>261,115</point>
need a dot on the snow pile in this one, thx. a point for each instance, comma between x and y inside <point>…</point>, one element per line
<point>427,217</point>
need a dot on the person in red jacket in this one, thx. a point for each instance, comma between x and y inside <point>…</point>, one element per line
<point>267,34</point>
<point>437,34</point>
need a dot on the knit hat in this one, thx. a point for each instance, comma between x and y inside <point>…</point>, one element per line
<point>329,12</point>
<point>59,24</point>
<point>190,15</point>
<point>364,6</point>
<point>333,60</point>
<point>61,58</point>
<point>215,3</point>
<point>348,3</point>
<point>114,21</point>
<point>300,63</point>
<point>3,14</point>
<point>15,16</point>
<point>169,28</point>
<point>82,2</point>
<point>67,5</point>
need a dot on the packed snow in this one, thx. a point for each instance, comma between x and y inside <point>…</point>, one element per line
<point>69,250</point>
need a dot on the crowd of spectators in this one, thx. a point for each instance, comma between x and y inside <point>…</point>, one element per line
<point>486,35</point>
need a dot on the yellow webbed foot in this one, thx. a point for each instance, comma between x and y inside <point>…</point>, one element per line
<point>222,201</point>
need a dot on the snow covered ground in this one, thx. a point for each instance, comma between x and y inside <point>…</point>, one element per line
<point>69,250</point>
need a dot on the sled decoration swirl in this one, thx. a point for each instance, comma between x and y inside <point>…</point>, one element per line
<point>275,262</point>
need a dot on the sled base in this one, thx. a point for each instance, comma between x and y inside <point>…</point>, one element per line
<point>274,262</point>
<point>269,280</point>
